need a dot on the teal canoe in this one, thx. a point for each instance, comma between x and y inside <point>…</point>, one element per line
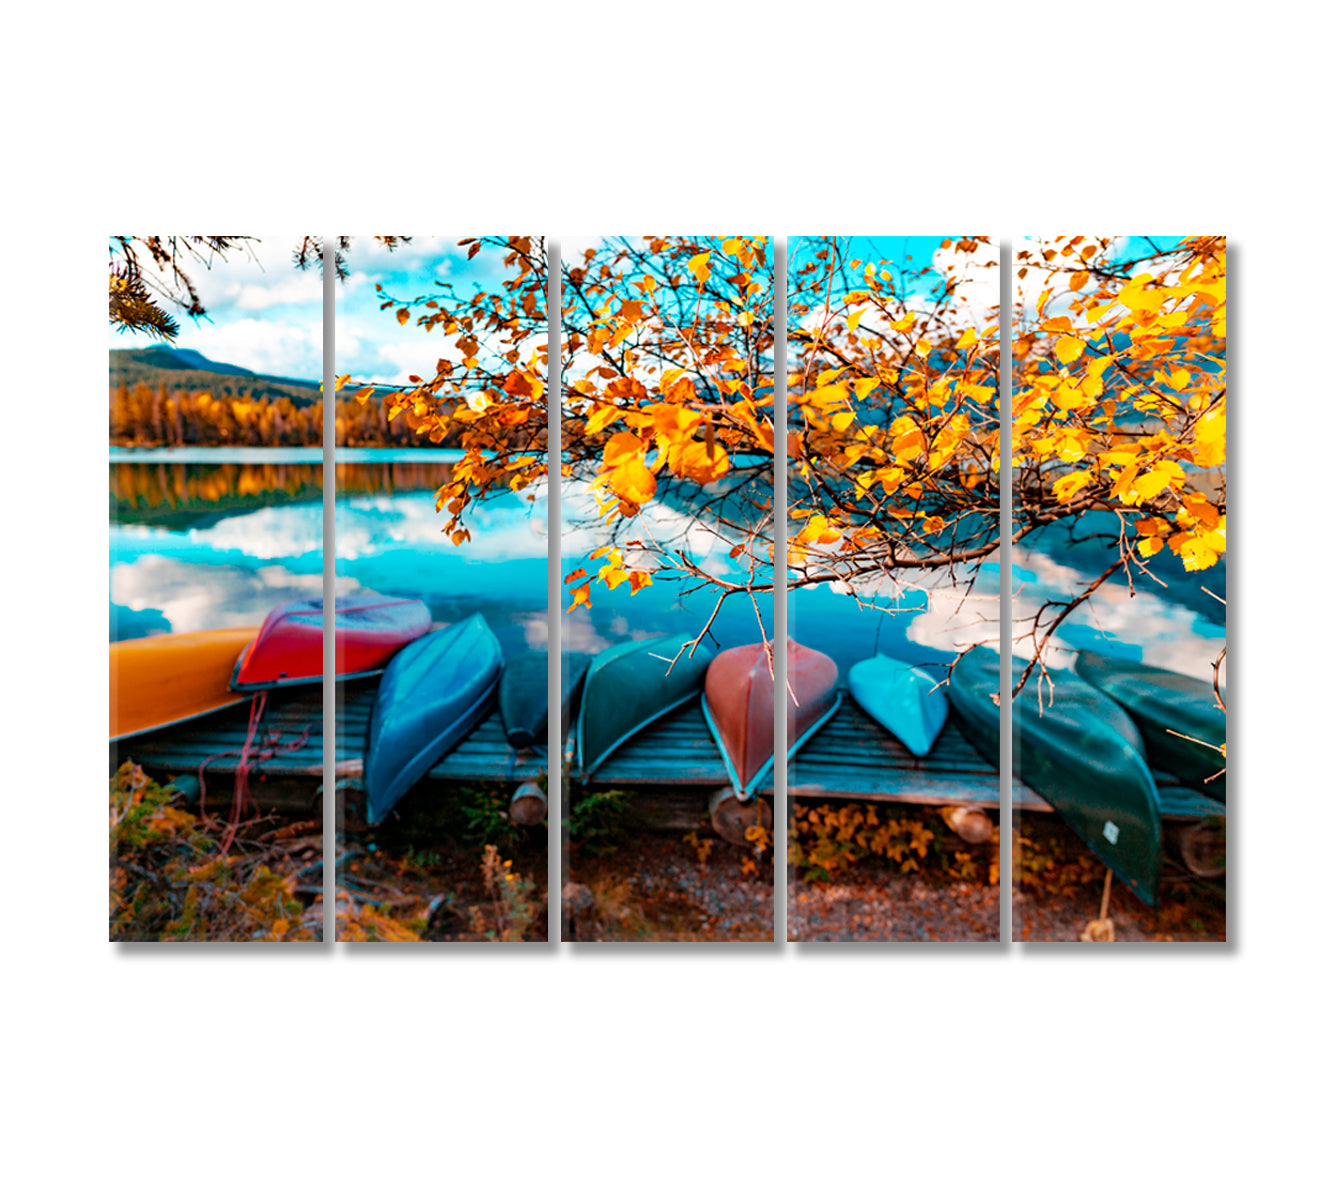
<point>1164,704</point>
<point>903,698</point>
<point>1080,752</point>
<point>433,693</point>
<point>627,688</point>
<point>524,694</point>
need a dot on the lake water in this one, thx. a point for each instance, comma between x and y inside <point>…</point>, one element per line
<point>204,538</point>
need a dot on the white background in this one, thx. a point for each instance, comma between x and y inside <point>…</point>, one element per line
<point>667,1071</point>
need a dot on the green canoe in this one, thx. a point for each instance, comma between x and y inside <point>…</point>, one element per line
<point>1160,701</point>
<point>1081,753</point>
<point>628,686</point>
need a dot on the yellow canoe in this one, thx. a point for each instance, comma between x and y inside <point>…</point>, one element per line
<point>170,677</point>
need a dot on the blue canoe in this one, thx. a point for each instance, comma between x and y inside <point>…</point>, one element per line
<point>905,699</point>
<point>433,692</point>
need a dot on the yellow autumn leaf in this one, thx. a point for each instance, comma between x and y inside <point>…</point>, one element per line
<point>633,481</point>
<point>1068,348</point>
<point>1196,554</point>
<point>699,266</point>
<point>620,448</point>
<point>697,464</point>
<point>601,416</point>
<point>1065,487</point>
<point>1148,485</point>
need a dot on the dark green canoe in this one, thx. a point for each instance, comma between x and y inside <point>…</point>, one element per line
<point>627,688</point>
<point>1080,752</point>
<point>1160,701</point>
<point>524,694</point>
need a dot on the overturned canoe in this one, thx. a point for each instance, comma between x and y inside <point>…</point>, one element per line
<point>1173,712</point>
<point>629,686</point>
<point>524,694</point>
<point>368,631</point>
<point>903,698</point>
<point>739,707</point>
<point>1080,752</point>
<point>172,677</point>
<point>432,694</point>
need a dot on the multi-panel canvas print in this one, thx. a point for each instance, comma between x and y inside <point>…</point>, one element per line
<point>1120,594</point>
<point>893,588</point>
<point>668,661</point>
<point>956,563</point>
<point>216,721</point>
<point>441,626</point>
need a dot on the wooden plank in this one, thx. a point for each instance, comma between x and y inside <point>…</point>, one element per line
<point>851,758</point>
<point>675,749</point>
<point>483,755</point>
<point>854,757</point>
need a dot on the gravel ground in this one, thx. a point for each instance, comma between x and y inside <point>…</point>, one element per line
<point>1191,915</point>
<point>660,891</point>
<point>883,906</point>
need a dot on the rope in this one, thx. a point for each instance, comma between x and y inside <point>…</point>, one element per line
<point>270,745</point>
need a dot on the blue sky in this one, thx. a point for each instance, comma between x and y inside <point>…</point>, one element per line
<point>265,314</point>
<point>371,345</point>
<point>904,254</point>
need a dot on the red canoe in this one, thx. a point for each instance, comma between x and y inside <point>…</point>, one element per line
<point>739,706</point>
<point>368,631</point>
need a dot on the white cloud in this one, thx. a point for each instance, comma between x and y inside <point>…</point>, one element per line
<point>277,532</point>
<point>1055,274</point>
<point>269,347</point>
<point>198,596</point>
<point>506,529</point>
<point>976,277</point>
<point>302,287</point>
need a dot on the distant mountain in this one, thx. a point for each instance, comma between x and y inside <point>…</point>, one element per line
<point>179,369</point>
<point>173,358</point>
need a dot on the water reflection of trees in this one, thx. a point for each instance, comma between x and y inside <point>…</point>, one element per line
<point>143,490</point>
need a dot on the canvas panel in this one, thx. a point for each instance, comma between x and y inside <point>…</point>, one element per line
<point>893,587</point>
<point>667,553</point>
<point>441,536</point>
<point>1120,635</point>
<point>215,503</point>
